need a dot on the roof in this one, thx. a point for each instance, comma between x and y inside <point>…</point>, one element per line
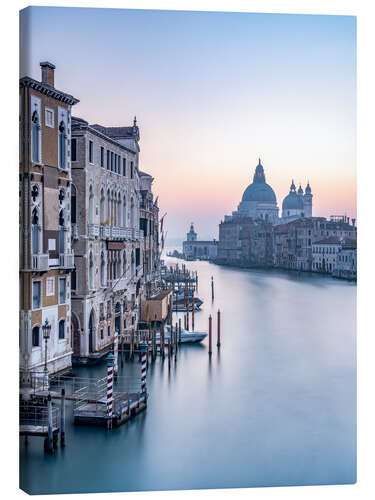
<point>118,132</point>
<point>331,240</point>
<point>47,90</point>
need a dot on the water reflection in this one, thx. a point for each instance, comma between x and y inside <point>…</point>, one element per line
<point>274,405</point>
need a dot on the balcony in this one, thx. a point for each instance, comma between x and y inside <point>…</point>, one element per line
<point>119,284</point>
<point>105,232</point>
<point>93,230</point>
<point>39,262</point>
<point>66,260</point>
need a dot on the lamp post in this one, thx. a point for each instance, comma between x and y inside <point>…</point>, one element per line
<point>46,334</point>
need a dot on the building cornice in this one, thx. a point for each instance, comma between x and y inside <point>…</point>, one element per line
<point>47,90</point>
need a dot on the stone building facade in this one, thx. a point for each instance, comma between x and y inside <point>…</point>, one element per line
<point>46,256</point>
<point>107,240</point>
<point>149,224</point>
<point>193,249</point>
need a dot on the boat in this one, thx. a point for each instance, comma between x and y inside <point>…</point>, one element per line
<point>179,303</point>
<point>186,336</point>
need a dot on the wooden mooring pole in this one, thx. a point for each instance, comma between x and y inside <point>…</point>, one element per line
<point>192,309</point>
<point>212,288</point>
<point>50,424</point>
<point>218,328</point>
<point>179,330</point>
<point>62,417</point>
<point>210,335</point>
<point>109,390</point>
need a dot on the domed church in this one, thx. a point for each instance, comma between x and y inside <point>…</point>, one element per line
<point>297,204</point>
<point>259,199</point>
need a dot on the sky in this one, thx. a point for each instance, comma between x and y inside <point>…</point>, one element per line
<point>212,93</point>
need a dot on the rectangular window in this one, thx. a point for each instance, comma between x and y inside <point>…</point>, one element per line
<point>49,118</point>
<point>62,329</point>
<point>111,161</point>
<point>108,159</point>
<point>102,157</point>
<point>91,152</point>
<point>36,294</point>
<point>74,150</point>
<point>62,290</point>
<point>50,287</point>
<point>102,333</point>
<point>124,167</point>
<point>109,331</point>
<point>131,170</point>
<point>73,276</point>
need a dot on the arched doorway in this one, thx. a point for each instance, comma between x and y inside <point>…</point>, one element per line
<point>76,336</point>
<point>91,331</point>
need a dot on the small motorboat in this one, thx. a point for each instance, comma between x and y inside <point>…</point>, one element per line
<point>186,336</point>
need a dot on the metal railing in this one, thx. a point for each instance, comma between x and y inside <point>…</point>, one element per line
<point>39,262</point>
<point>37,416</point>
<point>66,260</point>
<point>93,230</point>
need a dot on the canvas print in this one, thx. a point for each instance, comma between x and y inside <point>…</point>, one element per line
<point>188,250</point>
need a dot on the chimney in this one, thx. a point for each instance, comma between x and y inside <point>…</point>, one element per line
<point>48,73</point>
<point>353,222</point>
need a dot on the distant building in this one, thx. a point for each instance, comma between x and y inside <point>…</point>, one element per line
<point>346,264</point>
<point>325,254</point>
<point>297,204</point>
<point>198,249</point>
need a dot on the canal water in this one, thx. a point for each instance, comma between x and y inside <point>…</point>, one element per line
<point>275,406</point>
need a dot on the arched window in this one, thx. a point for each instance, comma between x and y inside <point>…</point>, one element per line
<point>132,210</point>
<point>61,232</point>
<point>35,231</point>
<point>91,272</point>
<point>124,264</point>
<point>62,329</point>
<point>108,207</point>
<point>36,336</point>
<point>91,206</point>
<point>102,270</point>
<point>102,206</point>
<point>62,145</point>
<point>117,308</point>
<point>119,211</point>
<point>124,221</point>
<point>73,204</point>
<point>35,137</point>
<point>132,265</point>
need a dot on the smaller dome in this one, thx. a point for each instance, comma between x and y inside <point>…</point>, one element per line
<point>293,202</point>
<point>300,190</point>
<point>308,189</point>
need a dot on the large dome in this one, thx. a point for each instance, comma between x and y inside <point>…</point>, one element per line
<point>293,202</point>
<point>259,190</point>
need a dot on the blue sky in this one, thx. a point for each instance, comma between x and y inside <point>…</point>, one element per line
<point>212,92</point>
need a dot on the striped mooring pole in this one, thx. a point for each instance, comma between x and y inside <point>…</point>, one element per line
<point>143,367</point>
<point>115,354</point>
<point>109,390</point>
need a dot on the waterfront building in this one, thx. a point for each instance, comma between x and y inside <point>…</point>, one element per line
<point>325,253</point>
<point>107,240</point>
<point>45,255</point>
<point>245,242</point>
<point>192,248</point>
<point>346,262</point>
<point>149,224</point>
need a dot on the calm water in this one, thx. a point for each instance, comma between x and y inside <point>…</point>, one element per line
<point>276,406</point>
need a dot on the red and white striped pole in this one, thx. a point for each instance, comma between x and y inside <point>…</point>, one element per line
<point>218,328</point>
<point>109,390</point>
<point>210,335</point>
<point>115,354</point>
<point>143,367</point>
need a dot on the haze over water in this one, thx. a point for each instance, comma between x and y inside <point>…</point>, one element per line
<point>276,406</point>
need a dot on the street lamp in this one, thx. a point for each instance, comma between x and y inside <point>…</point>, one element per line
<point>46,334</point>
